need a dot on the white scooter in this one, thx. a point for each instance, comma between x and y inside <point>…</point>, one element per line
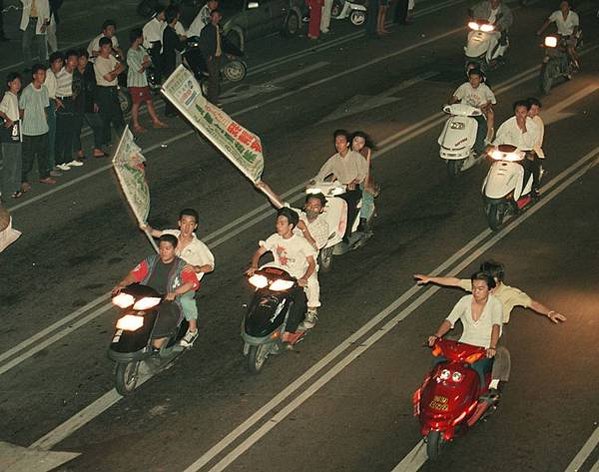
<point>478,47</point>
<point>335,213</point>
<point>458,137</point>
<point>342,9</point>
<point>504,189</point>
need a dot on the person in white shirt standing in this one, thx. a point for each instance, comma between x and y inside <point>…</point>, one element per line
<point>11,138</point>
<point>56,63</point>
<point>108,31</point>
<point>568,25</point>
<point>202,18</point>
<point>34,23</point>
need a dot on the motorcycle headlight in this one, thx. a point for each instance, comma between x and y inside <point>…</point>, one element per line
<point>130,322</point>
<point>456,377</point>
<point>313,190</point>
<point>280,285</point>
<point>146,303</point>
<point>258,281</point>
<point>337,191</point>
<point>123,300</point>
<point>497,155</point>
<point>550,41</point>
<point>473,25</point>
<point>487,28</point>
<point>445,374</point>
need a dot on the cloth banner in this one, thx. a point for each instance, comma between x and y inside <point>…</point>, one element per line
<point>242,147</point>
<point>8,234</point>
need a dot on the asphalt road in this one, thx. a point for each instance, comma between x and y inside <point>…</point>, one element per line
<point>341,400</point>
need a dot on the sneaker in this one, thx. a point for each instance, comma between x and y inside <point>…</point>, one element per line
<point>55,173</point>
<point>310,320</point>
<point>74,163</point>
<point>189,338</point>
<point>492,396</point>
<point>63,167</point>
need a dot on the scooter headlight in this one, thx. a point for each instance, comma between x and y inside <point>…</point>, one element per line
<point>445,374</point>
<point>550,41</point>
<point>456,377</point>
<point>130,322</point>
<point>497,155</point>
<point>258,281</point>
<point>123,300</point>
<point>146,303</point>
<point>280,285</point>
<point>313,190</point>
<point>487,28</point>
<point>473,25</point>
<point>337,191</point>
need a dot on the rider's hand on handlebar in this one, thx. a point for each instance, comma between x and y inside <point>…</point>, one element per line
<point>432,340</point>
<point>491,352</point>
<point>250,271</point>
<point>302,282</point>
<point>170,296</point>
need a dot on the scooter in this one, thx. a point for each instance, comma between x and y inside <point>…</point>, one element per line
<point>557,63</point>
<point>147,8</point>
<point>447,404</point>
<point>131,346</point>
<point>277,295</point>
<point>505,189</point>
<point>458,138</point>
<point>478,50</point>
<point>355,11</point>
<point>335,213</point>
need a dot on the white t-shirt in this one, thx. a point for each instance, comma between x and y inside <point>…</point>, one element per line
<point>541,135</point>
<point>152,31</point>
<point>510,133</point>
<point>50,83</point>
<point>345,169</point>
<point>201,20</point>
<point>290,254</point>
<point>10,106</point>
<point>195,253</point>
<point>565,27</point>
<point>319,228</point>
<point>476,333</point>
<point>94,44</point>
<point>103,66</point>
<point>475,97</point>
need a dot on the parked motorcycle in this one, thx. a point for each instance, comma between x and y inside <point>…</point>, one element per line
<point>131,344</point>
<point>478,46</point>
<point>507,189</point>
<point>276,295</point>
<point>557,63</point>
<point>354,10</point>
<point>335,213</point>
<point>447,403</point>
<point>458,137</point>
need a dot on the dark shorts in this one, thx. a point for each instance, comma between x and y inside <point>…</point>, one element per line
<point>168,320</point>
<point>140,94</point>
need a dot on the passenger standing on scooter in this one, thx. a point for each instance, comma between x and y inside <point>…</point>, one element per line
<point>478,95</point>
<point>568,25</point>
<point>534,113</point>
<point>199,260</point>
<point>362,144</point>
<point>480,314</point>
<point>510,297</point>
<point>350,169</point>
<point>152,33</point>
<point>202,18</point>
<point>521,131</point>
<point>167,274</point>
<point>294,254</point>
<point>497,13</point>
<point>171,42</point>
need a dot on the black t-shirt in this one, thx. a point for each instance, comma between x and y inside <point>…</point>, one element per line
<point>159,278</point>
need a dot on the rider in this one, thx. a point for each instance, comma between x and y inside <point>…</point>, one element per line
<point>314,228</point>
<point>295,255</point>
<point>199,260</point>
<point>168,274</point>
<point>350,169</point>
<point>480,314</point>
<point>362,143</point>
<point>477,94</point>
<point>510,297</point>
<point>521,131</point>
<point>568,26</point>
<point>496,13</point>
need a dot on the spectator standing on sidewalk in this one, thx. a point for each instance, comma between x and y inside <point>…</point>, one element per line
<point>372,19</point>
<point>34,23</point>
<point>315,7</point>
<point>325,18</point>
<point>84,80</point>
<point>11,138</point>
<point>202,18</point>
<point>401,12</point>
<point>381,17</point>
<point>34,103</point>
<point>211,45</point>
<point>138,61</point>
<point>2,35</point>
<point>56,63</point>
<point>171,42</point>
<point>108,31</point>
<point>107,69</point>
<point>66,120</point>
<point>53,25</point>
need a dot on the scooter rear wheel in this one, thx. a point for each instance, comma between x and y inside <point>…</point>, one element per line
<point>434,443</point>
<point>126,377</point>
<point>357,17</point>
<point>257,356</point>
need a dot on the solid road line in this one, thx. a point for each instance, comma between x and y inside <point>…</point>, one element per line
<point>107,400</point>
<point>574,172</point>
<point>584,453</point>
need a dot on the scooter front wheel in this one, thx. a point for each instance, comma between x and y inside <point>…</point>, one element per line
<point>495,216</point>
<point>126,377</point>
<point>434,443</point>
<point>454,168</point>
<point>357,17</point>
<point>257,356</point>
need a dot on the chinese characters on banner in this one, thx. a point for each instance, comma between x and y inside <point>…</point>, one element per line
<point>242,147</point>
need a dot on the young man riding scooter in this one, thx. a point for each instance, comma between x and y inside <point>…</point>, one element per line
<point>510,297</point>
<point>294,254</point>
<point>497,13</point>
<point>167,274</point>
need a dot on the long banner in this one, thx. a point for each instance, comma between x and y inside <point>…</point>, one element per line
<point>128,163</point>
<point>242,147</point>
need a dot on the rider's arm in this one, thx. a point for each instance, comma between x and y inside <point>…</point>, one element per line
<point>441,331</point>
<point>495,331</point>
<point>136,275</point>
<point>541,309</point>
<point>544,27</point>
<point>256,257</point>
<point>155,233</point>
<point>272,196</point>
<point>326,170</point>
<point>306,233</point>
<point>309,271</point>
<point>443,281</point>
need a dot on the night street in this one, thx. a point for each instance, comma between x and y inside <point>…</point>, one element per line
<point>341,400</point>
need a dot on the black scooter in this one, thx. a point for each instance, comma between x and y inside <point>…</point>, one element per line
<point>131,345</point>
<point>277,295</point>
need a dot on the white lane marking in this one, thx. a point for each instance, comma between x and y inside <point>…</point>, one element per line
<point>584,453</point>
<point>595,468</point>
<point>558,114</point>
<point>15,458</point>
<point>574,174</point>
<point>414,460</point>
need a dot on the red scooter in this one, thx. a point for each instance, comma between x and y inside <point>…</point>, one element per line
<point>447,403</point>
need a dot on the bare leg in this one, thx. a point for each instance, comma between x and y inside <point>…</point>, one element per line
<point>135,118</point>
<point>155,120</point>
<point>159,342</point>
<point>490,124</point>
